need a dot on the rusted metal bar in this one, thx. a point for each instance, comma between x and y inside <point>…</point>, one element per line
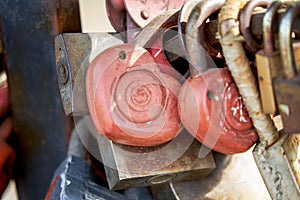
<point>255,26</point>
<point>195,46</point>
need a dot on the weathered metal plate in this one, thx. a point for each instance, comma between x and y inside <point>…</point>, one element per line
<point>274,164</point>
<point>139,166</point>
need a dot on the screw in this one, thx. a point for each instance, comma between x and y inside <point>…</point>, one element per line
<point>63,74</point>
<point>145,14</point>
<point>122,55</point>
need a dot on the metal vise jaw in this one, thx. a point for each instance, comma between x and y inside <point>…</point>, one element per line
<point>125,166</point>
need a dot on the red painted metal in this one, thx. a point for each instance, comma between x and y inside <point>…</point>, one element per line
<point>130,100</point>
<point>212,109</point>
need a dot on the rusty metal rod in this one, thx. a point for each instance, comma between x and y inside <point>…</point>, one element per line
<point>196,52</point>
<point>240,69</point>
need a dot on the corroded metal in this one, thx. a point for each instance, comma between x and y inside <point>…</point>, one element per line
<point>179,160</point>
<point>291,149</point>
<point>275,168</point>
<point>210,105</point>
<point>228,180</point>
<point>285,40</point>
<point>287,87</point>
<point>245,21</point>
<point>268,61</point>
<point>269,155</point>
<point>194,33</point>
<point>75,51</point>
<point>288,97</point>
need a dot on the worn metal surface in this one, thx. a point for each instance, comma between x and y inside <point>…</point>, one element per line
<point>291,149</point>
<point>288,97</point>
<point>287,88</point>
<point>141,166</point>
<point>268,61</point>
<point>269,156</point>
<point>286,42</point>
<point>235,177</point>
<point>76,51</point>
<point>276,170</point>
<point>245,21</point>
<point>128,166</point>
<point>269,68</point>
<point>28,31</point>
<point>255,26</point>
<point>194,34</point>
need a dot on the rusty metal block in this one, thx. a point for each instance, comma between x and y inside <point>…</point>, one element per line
<point>128,166</point>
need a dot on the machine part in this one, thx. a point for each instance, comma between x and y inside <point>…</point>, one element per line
<point>210,106</point>
<point>245,20</point>
<point>139,109</point>
<point>28,29</point>
<point>269,155</point>
<point>212,111</point>
<point>268,62</point>
<point>74,180</point>
<point>287,87</point>
<point>227,181</point>
<point>143,12</point>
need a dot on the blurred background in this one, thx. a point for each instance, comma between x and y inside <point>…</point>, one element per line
<point>93,19</point>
